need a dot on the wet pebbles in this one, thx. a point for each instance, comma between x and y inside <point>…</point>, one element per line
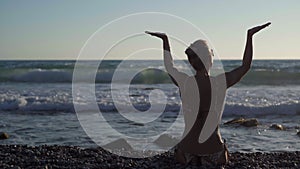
<point>47,157</point>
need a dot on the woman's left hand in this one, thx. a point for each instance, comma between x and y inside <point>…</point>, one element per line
<point>157,34</point>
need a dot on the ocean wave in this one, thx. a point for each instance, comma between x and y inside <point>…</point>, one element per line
<point>31,105</point>
<point>267,77</point>
<point>263,72</point>
<point>43,76</point>
<point>147,76</point>
<point>282,109</point>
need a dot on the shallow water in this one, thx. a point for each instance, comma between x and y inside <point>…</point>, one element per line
<point>64,129</point>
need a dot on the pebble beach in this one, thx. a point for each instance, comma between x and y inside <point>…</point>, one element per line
<point>46,156</point>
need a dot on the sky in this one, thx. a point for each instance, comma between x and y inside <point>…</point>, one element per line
<point>58,29</point>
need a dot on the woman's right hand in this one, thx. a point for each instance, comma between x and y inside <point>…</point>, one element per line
<point>256,29</point>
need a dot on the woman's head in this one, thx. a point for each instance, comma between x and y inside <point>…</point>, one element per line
<point>199,55</point>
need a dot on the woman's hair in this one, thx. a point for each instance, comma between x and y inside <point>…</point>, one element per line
<point>199,55</point>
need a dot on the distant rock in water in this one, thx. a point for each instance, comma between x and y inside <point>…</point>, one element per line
<point>250,122</point>
<point>120,144</point>
<point>298,133</point>
<point>244,122</point>
<point>277,127</point>
<point>165,141</point>
<point>3,136</point>
<point>235,121</point>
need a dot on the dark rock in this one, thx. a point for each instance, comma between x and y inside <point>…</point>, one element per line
<point>3,136</point>
<point>244,122</point>
<point>235,121</point>
<point>298,133</point>
<point>250,122</point>
<point>277,127</point>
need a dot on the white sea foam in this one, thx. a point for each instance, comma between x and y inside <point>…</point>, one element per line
<point>49,97</point>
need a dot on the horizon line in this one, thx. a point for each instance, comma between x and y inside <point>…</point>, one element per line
<point>122,59</point>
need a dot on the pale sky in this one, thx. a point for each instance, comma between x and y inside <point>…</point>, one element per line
<point>58,29</point>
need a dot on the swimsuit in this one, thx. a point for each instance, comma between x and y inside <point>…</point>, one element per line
<point>218,158</point>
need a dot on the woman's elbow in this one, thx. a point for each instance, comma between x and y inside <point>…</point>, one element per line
<point>246,68</point>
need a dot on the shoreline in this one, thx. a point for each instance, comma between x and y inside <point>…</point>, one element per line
<point>56,156</point>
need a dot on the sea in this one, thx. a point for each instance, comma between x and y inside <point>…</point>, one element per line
<point>37,103</point>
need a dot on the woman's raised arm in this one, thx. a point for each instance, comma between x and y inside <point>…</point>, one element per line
<point>236,75</point>
<point>176,76</point>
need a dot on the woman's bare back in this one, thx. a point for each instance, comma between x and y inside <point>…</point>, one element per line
<point>195,117</point>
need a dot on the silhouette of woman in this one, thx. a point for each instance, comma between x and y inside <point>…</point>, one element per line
<point>213,150</point>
